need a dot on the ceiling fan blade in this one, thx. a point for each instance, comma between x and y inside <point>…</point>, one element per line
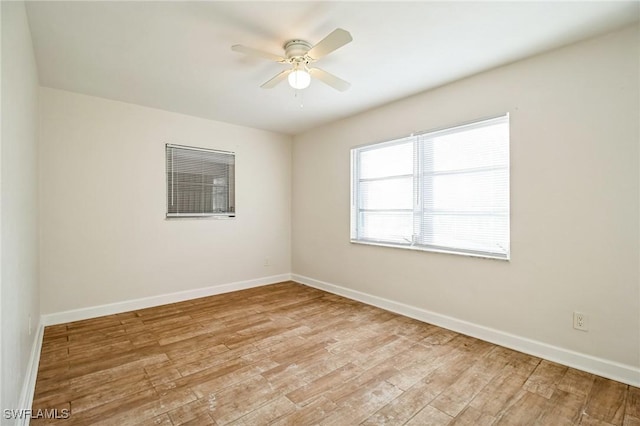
<point>330,79</point>
<point>277,79</point>
<point>258,53</point>
<point>333,41</point>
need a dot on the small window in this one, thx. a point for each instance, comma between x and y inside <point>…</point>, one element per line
<point>200,182</point>
<point>445,190</point>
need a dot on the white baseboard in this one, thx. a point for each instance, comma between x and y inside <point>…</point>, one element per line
<point>612,370</point>
<point>29,385</point>
<point>163,299</point>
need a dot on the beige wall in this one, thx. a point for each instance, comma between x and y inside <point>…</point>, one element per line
<point>19,204</point>
<point>574,202</point>
<point>104,237</point>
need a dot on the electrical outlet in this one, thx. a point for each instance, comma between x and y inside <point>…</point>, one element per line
<point>267,261</point>
<point>580,321</point>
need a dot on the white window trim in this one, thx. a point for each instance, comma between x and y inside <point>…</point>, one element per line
<point>355,178</point>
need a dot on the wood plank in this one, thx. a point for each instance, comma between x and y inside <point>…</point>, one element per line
<point>430,416</point>
<point>107,411</point>
<point>230,377</point>
<point>324,383</point>
<point>525,410</point>
<point>590,421</point>
<point>576,382</point>
<point>410,328</point>
<point>284,382</point>
<point>440,336</point>
<point>418,362</point>
<point>408,404</point>
<point>198,408</point>
<point>545,378</point>
<point>204,419</point>
<point>455,398</point>
<point>161,420</point>
<point>150,410</point>
<point>102,393</point>
<point>111,370</point>
<point>471,416</point>
<point>606,401</point>
<point>564,408</point>
<point>383,354</point>
<point>631,421</point>
<point>235,401</point>
<point>498,393</point>
<point>313,413</point>
<point>315,370</point>
<point>633,402</point>
<point>266,414</point>
<point>368,378</point>
<point>357,406</point>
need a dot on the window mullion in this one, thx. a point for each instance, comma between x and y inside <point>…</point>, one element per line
<point>202,195</point>
<point>355,191</point>
<point>428,190</point>
<point>418,191</point>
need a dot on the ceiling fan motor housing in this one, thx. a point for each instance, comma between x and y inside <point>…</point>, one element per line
<point>296,49</point>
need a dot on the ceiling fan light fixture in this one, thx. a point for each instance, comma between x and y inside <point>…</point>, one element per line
<point>299,79</point>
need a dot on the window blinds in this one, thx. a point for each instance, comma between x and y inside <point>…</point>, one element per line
<point>446,190</point>
<point>200,182</point>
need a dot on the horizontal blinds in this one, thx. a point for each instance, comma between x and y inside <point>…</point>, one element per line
<point>200,182</point>
<point>385,192</point>
<point>446,190</point>
<point>465,200</point>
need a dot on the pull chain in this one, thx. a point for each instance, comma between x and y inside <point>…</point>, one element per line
<point>300,96</point>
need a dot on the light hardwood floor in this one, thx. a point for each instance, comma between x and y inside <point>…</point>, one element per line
<point>287,354</point>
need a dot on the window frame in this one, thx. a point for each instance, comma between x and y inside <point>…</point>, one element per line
<point>418,190</point>
<point>231,187</point>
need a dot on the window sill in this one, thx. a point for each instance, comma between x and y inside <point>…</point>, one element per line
<point>202,216</point>
<point>433,249</point>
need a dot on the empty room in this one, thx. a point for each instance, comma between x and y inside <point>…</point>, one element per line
<point>335,213</point>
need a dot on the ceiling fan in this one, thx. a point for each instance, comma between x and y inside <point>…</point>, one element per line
<point>300,55</point>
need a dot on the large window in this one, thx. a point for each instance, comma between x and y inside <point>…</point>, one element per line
<point>200,182</point>
<point>446,190</point>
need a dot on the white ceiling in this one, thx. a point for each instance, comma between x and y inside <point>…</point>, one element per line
<point>176,55</point>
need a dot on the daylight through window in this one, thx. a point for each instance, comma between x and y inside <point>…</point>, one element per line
<point>445,190</point>
<point>200,182</point>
